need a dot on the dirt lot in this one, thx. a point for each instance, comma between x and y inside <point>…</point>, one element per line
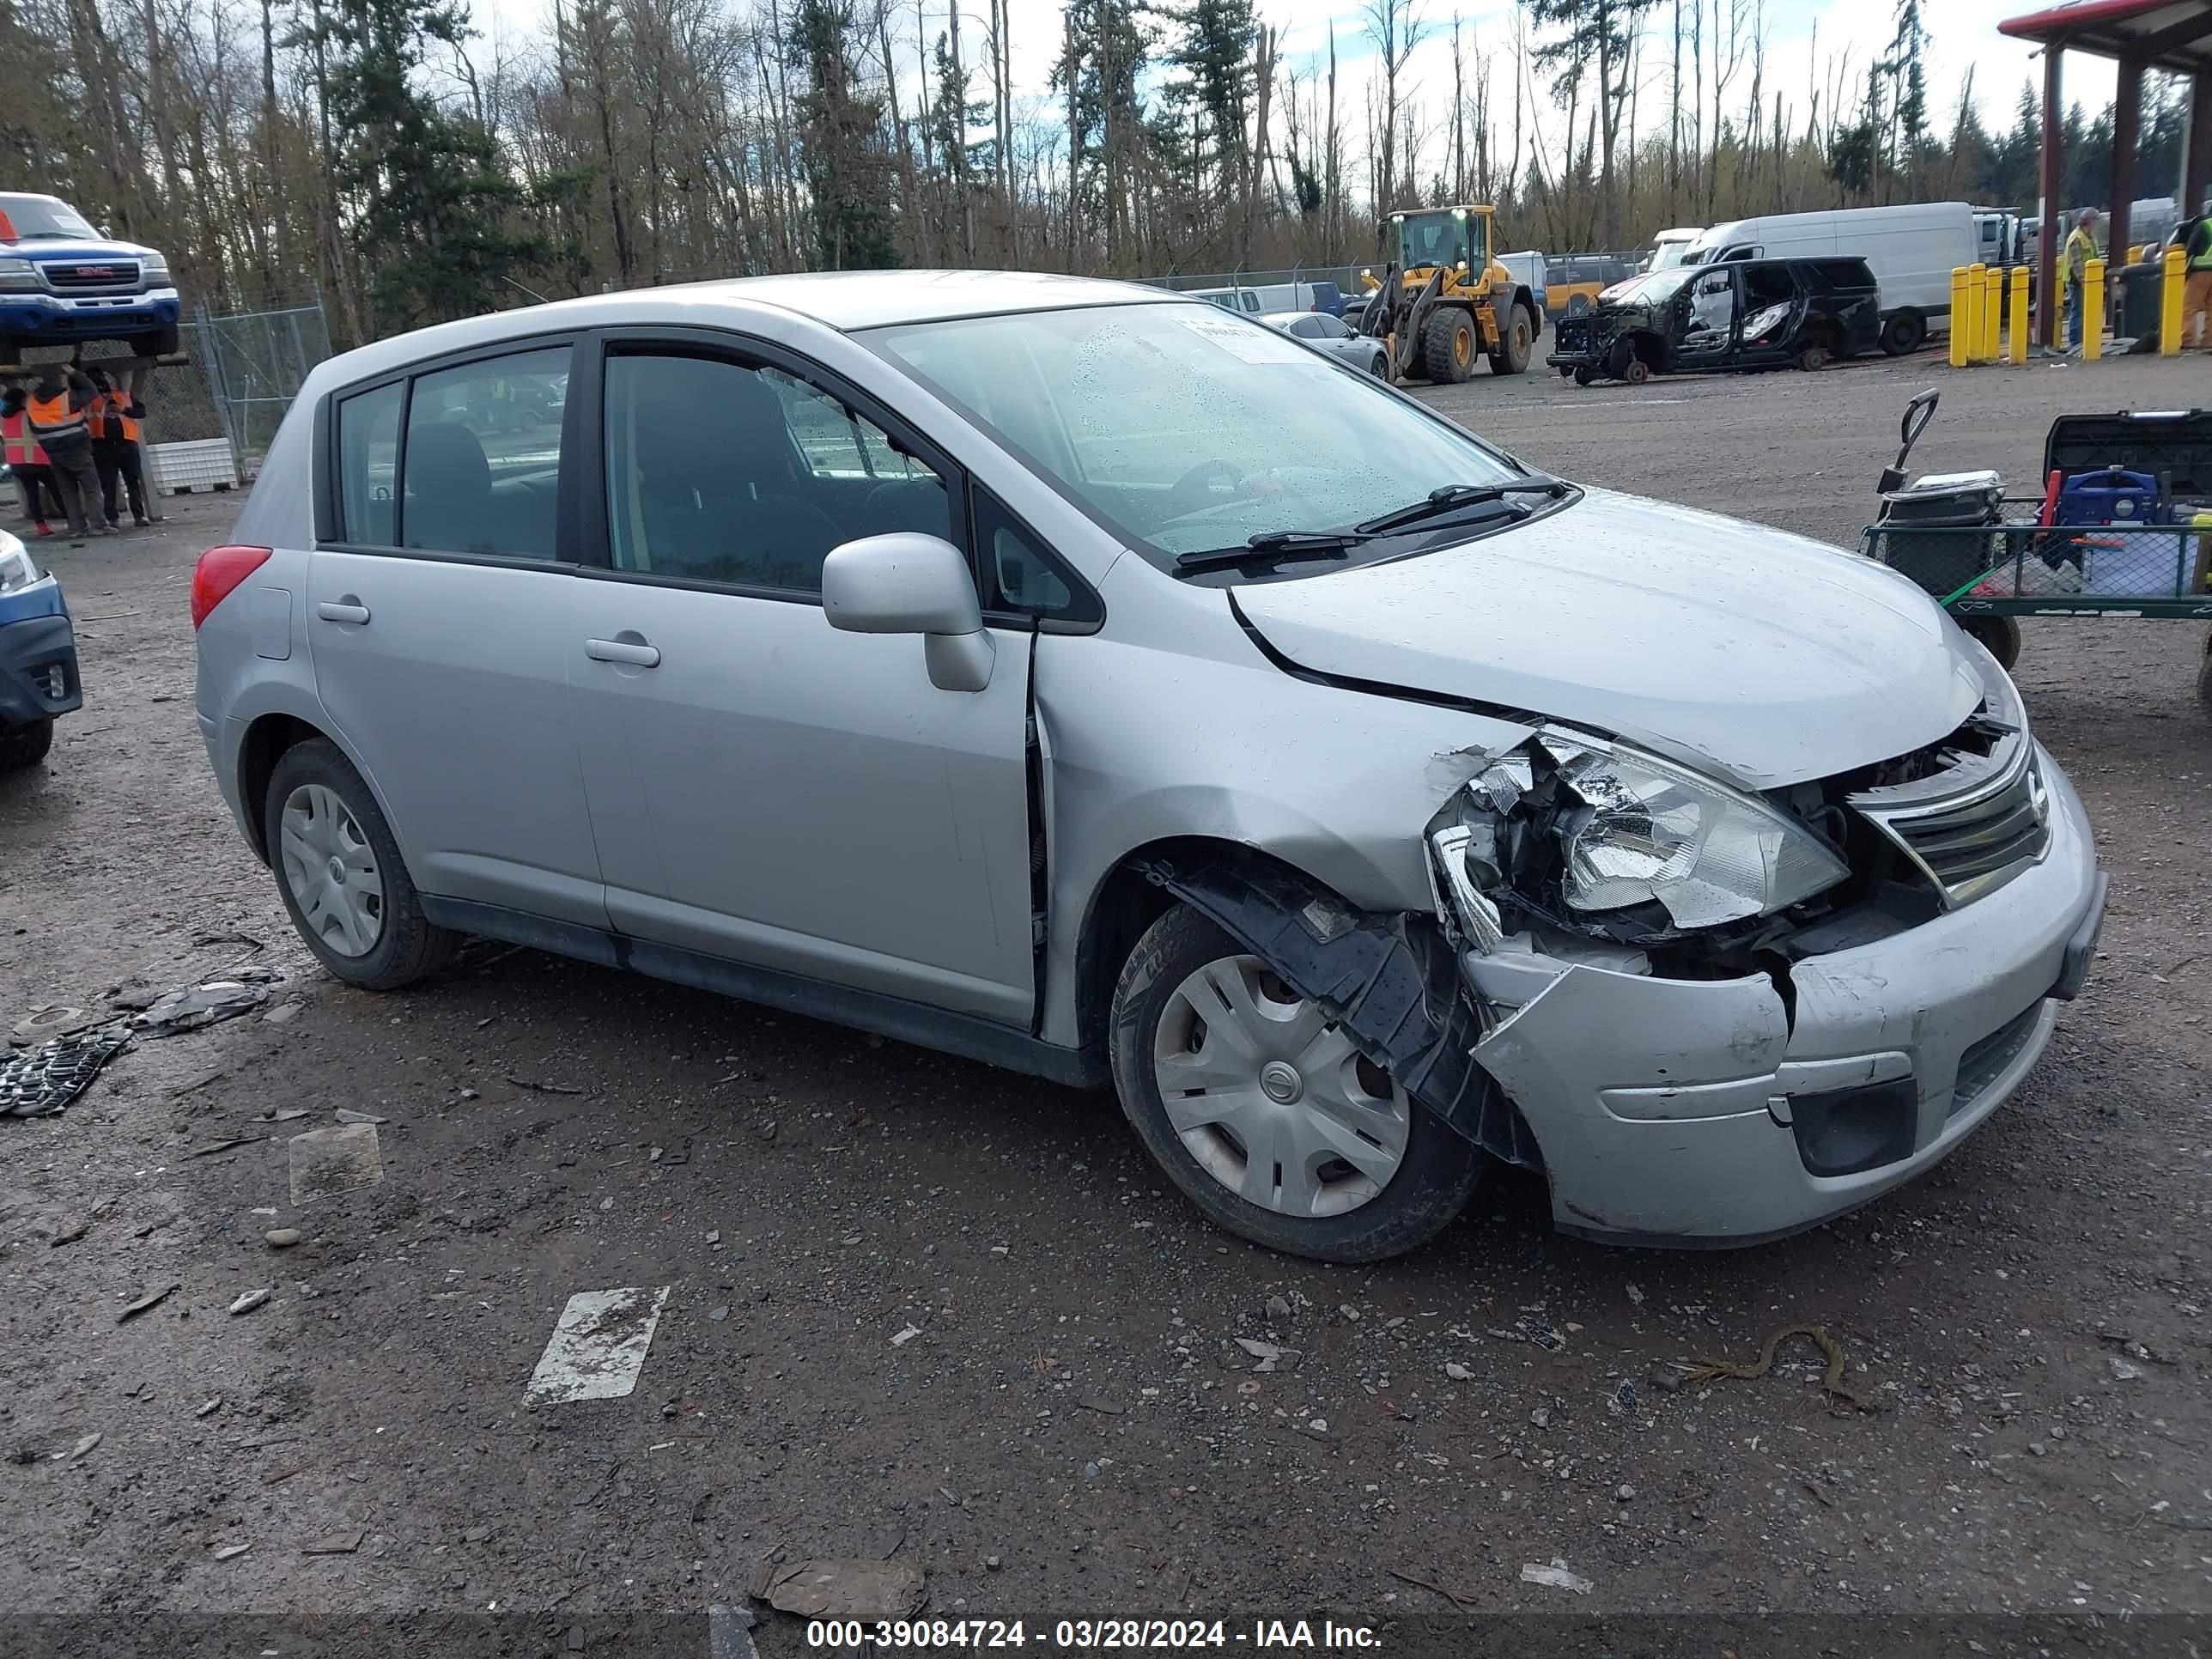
<point>1071,1432</point>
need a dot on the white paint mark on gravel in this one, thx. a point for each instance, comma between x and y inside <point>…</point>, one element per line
<point>598,1348</point>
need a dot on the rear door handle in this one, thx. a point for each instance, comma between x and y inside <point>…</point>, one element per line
<point>348,610</point>
<point>636,653</point>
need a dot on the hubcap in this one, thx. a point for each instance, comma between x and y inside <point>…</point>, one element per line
<point>1270,1097</point>
<point>330,871</point>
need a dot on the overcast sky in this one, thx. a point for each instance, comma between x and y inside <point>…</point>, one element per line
<point>1963,34</point>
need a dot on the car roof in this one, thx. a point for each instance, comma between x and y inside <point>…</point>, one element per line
<point>30,195</point>
<point>1279,318</point>
<point>844,299</point>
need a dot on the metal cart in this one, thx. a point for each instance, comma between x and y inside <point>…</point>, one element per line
<point>1988,575</point>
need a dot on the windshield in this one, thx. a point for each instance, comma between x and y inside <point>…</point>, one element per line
<point>41,217</point>
<point>1431,239</point>
<point>1184,430</point>
<point>1652,287</point>
<point>1669,255</point>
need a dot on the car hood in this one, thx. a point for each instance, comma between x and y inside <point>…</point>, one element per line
<point>42,249</point>
<point>1767,656</point>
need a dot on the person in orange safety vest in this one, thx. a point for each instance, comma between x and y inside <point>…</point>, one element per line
<point>59,405</point>
<point>26,463</point>
<point>115,454</point>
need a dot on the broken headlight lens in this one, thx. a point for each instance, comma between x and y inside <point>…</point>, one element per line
<point>1646,830</point>
<point>16,567</point>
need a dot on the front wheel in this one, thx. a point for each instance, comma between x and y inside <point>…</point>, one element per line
<point>1448,346</point>
<point>340,871</point>
<point>1998,635</point>
<point>1380,367</point>
<point>1517,347</point>
<point>25,745</point>
<point>1635,372</point>
<point>1258,1107</point>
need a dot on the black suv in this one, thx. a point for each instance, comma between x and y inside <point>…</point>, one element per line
<point>1751,313</point>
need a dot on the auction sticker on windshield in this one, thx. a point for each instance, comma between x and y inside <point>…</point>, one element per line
<point>1245,341</point>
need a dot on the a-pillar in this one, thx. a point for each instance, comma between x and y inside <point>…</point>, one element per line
<point>2049,302</point>
<point>2127,131</point>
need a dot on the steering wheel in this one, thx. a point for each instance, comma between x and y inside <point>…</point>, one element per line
<point>1188,493</point>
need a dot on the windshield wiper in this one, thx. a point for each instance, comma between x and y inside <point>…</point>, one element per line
<point>1273,547</point>
<point>1452,497</point>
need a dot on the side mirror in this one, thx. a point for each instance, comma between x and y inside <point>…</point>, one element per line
<point>909,583</point>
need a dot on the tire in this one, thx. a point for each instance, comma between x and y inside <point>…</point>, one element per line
<point>1347,1216</point>
<point>1517,347</point>
<point>1380,367</point>
<point>25,745</point>
<point>1903,333</point>
<point>155,343</point>
<point>1584,376</point>
<point>1447,347</point>
<point>401,945</point>
<point>1998,635</point>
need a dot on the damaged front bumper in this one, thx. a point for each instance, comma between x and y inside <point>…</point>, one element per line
<point>1715,1112</point>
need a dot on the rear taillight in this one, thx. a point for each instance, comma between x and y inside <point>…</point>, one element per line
<point>220,570</point>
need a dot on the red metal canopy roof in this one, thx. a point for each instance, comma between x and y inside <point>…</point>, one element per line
<point>2169,35</point>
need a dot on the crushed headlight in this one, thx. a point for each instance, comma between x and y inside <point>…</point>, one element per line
<point>17,568</point>
<point>1580,832</point>
<point>1650,830</point>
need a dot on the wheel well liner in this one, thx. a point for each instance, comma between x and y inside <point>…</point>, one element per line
<point>1388,978</point>
<point>265,745</point>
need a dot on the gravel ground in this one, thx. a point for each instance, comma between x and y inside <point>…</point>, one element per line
<point>1071,1431</point>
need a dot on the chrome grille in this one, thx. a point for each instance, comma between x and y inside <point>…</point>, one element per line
<point>85,275</point>
<point>1972,826</point>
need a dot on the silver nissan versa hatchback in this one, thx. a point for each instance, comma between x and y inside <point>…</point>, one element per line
<point>1091,682</point>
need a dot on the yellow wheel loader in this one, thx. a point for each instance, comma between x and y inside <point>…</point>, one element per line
<point>1444,297</point>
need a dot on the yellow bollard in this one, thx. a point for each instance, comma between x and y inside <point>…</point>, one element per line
<point>1993,316</point>
<point>2169,306</point>
<point>2134,253</point>
<point>1978,299</point>
<point>2092,310</point>
<point>2019,338</point>
<point>1958,316</point>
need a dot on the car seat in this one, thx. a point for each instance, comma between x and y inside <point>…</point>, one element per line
<point>449,501</point>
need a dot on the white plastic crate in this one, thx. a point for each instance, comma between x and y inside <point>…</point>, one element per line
<point>202,464</point>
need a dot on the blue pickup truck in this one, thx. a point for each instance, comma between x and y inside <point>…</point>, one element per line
<point>62,282</point>
<point>38,657</point>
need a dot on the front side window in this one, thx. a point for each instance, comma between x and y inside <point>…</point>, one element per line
<point>482,471</point>
<point>724,472</point>
<point>1186,430</point>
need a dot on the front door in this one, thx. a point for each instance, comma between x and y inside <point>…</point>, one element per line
<point>1710,316</point>
<point>439,624</point>
<point>764,788</point>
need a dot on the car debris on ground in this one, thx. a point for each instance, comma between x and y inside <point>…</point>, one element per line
<point>39,1082</point>
<point>1556,1576</point>
<point>598,1347</point>
<point>866,1590</point>
<point>195,1007</point>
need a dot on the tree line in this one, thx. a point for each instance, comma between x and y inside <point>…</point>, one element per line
<point>385,155</point>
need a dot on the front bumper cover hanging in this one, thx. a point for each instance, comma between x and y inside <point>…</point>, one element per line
<point>1388,977</point>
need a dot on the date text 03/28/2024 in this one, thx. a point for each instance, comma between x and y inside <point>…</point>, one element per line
<point>1124,1634</point>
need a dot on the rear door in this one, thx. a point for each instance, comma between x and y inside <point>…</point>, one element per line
<point>1773,306</point>
<point>764,788</point>
<point>440,608</point>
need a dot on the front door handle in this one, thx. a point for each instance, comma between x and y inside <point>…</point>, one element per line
<point>636,653</point>
<point>347,609</point>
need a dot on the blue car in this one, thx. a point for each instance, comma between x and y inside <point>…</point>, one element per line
<point>37,658</point>
<point>62,282</point>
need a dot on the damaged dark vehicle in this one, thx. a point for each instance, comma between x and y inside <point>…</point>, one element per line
<point>1749,315</point>
<point>1089,681</point>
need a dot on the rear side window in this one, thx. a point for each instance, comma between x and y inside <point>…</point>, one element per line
<point>368,463</point>
<point>482,471</point>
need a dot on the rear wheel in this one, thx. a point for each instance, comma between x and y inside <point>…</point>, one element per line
<point>1258,1107</point>
<point>340,871</point>
<point>1514,351</point>
<point>25,745</point>
<point>1903,333</point>
<point>1812,356</point>
<point>1448,346</point>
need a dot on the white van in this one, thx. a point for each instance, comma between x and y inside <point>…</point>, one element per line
<point>1912,251</point>
<point>1246,299</point>
<point>1668,247</point>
